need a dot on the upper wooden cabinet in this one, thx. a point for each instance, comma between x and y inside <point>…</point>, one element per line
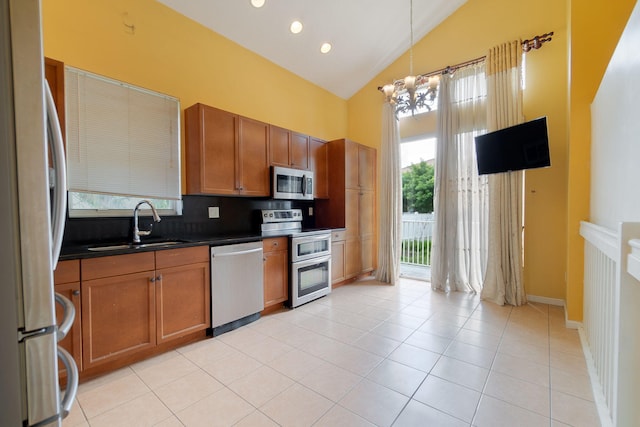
<point>288,148</point>
<point>225,153</point>
<point>318,163</point>
<point>54,73</point>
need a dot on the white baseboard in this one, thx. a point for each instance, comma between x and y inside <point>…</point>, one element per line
<point>546,300</point>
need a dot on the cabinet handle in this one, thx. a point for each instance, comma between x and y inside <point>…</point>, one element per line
<point>152,279</point>
<point>76,292</point>
<point>159,278</point>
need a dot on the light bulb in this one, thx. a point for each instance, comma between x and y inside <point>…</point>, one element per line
<point>325,48</point>
<point>296,27</point>
<point>257,3</point>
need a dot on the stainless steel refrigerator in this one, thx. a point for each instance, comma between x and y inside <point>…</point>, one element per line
<point>32,214</point>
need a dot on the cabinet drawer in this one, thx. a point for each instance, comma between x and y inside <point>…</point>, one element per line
<point>116,265</point>
<point>183,256</point>
<point>275,244</point>
<point>67,272</point>
<point>338,236</point>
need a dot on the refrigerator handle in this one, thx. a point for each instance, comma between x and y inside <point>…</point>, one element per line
<point>58,215</point>
<point>71,390</point>
<point>69,316</point>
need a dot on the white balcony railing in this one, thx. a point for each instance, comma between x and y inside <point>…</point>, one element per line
<point>417,236</point>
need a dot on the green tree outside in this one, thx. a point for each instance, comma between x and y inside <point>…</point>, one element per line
<point>417,188</point>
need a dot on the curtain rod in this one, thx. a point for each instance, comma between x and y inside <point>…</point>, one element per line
<point>534,43</point>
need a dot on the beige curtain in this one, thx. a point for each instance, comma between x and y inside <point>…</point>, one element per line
<point>460,195</point>
<point>503,281</point>
<point>390,208</point>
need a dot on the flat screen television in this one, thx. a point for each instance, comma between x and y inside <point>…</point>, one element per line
<point>523,146</point>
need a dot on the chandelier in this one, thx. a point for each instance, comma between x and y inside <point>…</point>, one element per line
<point>413,92</point>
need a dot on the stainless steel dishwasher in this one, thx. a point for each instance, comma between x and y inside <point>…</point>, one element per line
<point>237,292</point>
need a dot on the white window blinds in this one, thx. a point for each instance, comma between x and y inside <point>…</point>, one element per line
<point>121,139</point>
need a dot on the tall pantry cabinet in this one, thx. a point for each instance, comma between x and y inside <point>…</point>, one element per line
<point>351,204</point>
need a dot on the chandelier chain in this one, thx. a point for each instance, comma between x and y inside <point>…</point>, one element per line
<point>411,37</point>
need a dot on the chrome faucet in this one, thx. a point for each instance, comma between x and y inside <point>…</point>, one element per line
<point>136,231</point>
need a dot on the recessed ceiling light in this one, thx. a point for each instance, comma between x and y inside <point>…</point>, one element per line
<point>325,48</point>
<point>257,3</point>
<point>296,27</point>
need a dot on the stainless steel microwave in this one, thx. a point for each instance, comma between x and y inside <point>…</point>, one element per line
<point>292,184</point>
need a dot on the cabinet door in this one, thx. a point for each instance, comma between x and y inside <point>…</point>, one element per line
<point>366,167</point>
<point>183,300</point>
<point>253,158</point>
<point>276,278</point>
<point>73,341</point>
<point>118,317</point>
<point>299,153</point>
<point>337,262</point>
<point>351,164</point>
<point>54,73</point>
<point>211,140</point>
<point>351,213</point>
<point>279,141</point>
<point>366,214</point>
<point>319,165</point>
<point>353,258</point>
<point>368,255</point>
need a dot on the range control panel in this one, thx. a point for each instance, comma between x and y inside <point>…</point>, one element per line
<point>281,215</point>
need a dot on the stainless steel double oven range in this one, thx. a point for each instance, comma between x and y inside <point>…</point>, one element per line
<point>309,255</point>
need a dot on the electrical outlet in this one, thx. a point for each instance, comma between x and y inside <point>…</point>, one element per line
<point>310,211</point>
<point>214,212</point>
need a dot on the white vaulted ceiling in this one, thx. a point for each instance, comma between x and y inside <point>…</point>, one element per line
<point>366,35</point>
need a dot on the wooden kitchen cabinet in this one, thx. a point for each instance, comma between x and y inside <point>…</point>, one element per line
<point>288,148</point>
<point>337,257</point>
<point>132,303</point>
<point>351,203</point>
<point>276,270</point>
<point>183,292</point>
<point>118,307</point>
<point>318,163</point>
<point>67,283</point>
<point>54,73</point>
<point>226,154</point>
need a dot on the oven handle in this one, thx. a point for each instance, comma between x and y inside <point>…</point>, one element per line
<point>304,185</point>
<point>311,261</point>
<point>326,236</point>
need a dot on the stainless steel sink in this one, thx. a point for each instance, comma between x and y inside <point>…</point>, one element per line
<point>132,246</point>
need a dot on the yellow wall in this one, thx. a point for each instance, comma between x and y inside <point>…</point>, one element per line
<point>467,34</point>
<point>171,54</point>
<point>596,26</point>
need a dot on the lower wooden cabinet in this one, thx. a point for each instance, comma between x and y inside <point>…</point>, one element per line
<point>67,283</point>
<point>133,302</point>
<point>337,257</point>
<point>276,270</point>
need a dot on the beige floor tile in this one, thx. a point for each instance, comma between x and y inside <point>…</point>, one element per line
<point>425,341</point>
<point>573,410</point>
<point>571,383</point>
<point>344,333</point>
<point>187,390</point>
<point>377,404</point>
<point>440,328</point>
<point>295,364</point>
<point>229,369</point>
<point>222,408</point>
<point>497,413</point>
<point>417,414</point>
<point>256,419</point>
<point>450,398</point>
<point>353,359</point>
<point>415,357</point>
<point>376,344</point>
<point>76,417</point>
<point>146,410</point>
<point>340,417</point>
<point>297,406</point>
<point>522,368</point>
<point>111,394</point>
<point>487,341</point>
<point>397,377</point>
<point>172,421</point>
<point>241,338</point>
<point>521,393</point>
<point>406,320</point>
<point>170,369</point>
<point>471,354</point>
<point>461,373</point>
<point>98,382</point>
<point>524,350</point>
<point>267,349</point>
<point>208,351</point>
<point>569,363</point>
<point>393,331</point>
<point>490,327</point>
<point>330,381</point>
<point>261,385</point>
